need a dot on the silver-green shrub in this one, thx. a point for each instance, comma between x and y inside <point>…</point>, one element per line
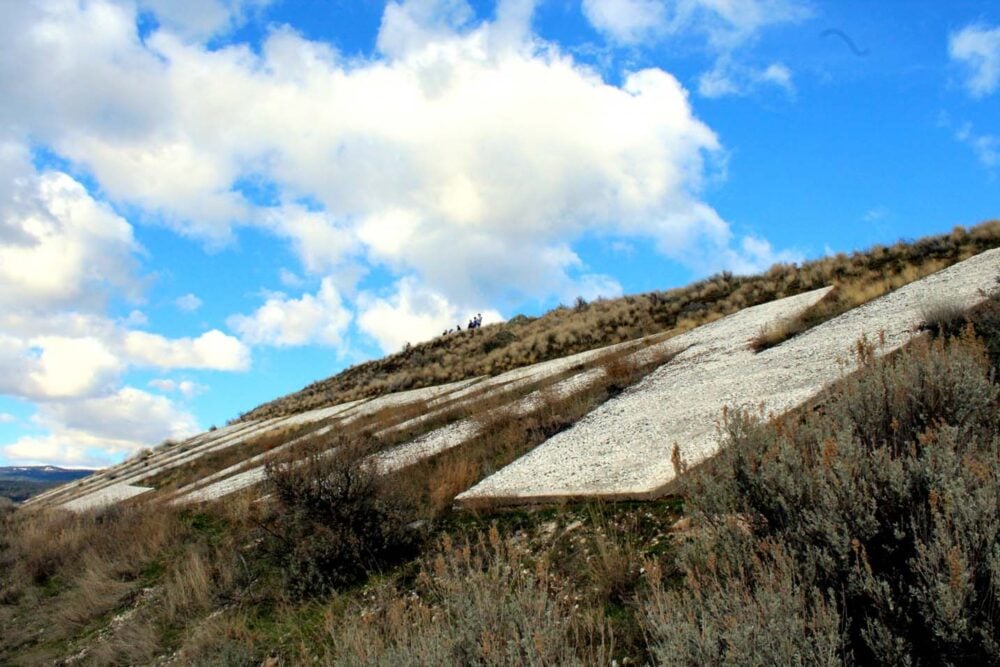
<point>883,499</point>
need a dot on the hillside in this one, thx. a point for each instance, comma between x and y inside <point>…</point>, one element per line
<point>815,458</point>
<point>19,483</point>
<point>521,341</point>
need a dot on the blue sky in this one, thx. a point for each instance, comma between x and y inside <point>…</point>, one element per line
<point>205,204</point>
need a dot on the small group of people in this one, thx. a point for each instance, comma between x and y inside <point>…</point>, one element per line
<point>474,323</point>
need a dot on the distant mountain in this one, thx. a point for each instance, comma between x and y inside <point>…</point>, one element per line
<point>21,482</point>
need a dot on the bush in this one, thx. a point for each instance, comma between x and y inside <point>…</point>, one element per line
<point>500,339</point>
<point>944,318</point>
<point>334,523</point>
<point>754,612</point>
<point>886,498</point>
<point>985,319</point>
<point>475,603</point>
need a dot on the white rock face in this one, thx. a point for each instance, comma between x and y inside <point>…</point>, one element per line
<point>246,474</point>
<point>94,490</point>
<point>108,495</point>
<point>442,398</point>
<point>623,448</point>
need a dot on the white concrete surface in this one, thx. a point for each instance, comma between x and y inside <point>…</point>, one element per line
<point>106,496</point>
<point>624,447</point>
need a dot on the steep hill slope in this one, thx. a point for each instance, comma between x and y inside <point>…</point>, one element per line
<point>448,437</point>
<point>381,530</point>
<point>522,341</point>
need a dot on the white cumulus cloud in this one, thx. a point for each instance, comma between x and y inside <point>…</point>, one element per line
<point>59,246</point>
<point>470,155</point>
<point>977,48</point>
<point>412,314</point>
<point>63,256</point>
<point>211,350</point>
<point>282,321</point>
<point>99,431</point>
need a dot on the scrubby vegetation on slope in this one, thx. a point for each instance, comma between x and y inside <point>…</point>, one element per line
<point>493,349</point>
<point>860,529</point>
<point>866,533</point>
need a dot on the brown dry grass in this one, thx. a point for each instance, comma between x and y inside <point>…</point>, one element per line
<point>853,290</point>
<point>504,433</point>
<point>203,466</point>
<point>138,584</point>
<point>524,340</point>
<point>115,585</point>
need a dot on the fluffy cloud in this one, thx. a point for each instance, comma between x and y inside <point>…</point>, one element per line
<point>320,243</point>
<point>977,47</point>
<point>55,366</point>
<point>211,350</point>
<point>99,431</point>
<point>729,78</point>
<point>72,367</point>
<point>60,247</point>
<point>188,303</point>
<point>412,314</point>
<point>726,27</point>
<point>128,415</point>
<point>320,318</point>
<point>470,156</point>
<point>63,256</point>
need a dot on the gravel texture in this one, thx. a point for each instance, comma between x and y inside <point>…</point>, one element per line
<point>108,475</point>
<point>131,472</point>
<point>106,496</point>
<point>444,397</point>
<point>238,477</point>
<point>623,448</point>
